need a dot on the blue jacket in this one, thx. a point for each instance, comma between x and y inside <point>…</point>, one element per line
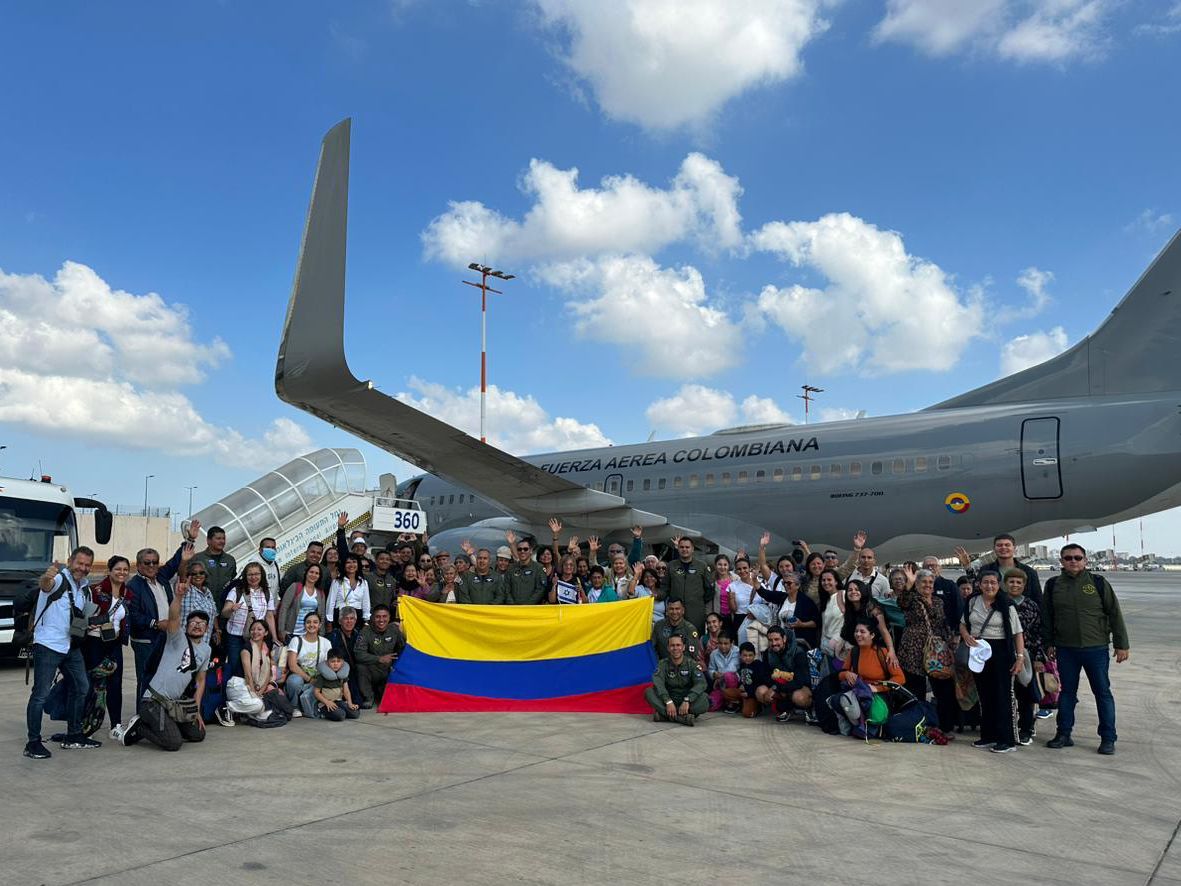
<point>141,609</point>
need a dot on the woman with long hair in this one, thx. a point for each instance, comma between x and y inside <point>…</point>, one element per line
<point>249,599</point>
<point>348,590</point>
<point>860,606</point>
<point>301,598</point>
<point>304,656</point>
<point>832,614</point>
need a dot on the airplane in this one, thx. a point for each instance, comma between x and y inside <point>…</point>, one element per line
<point>1087,438</point>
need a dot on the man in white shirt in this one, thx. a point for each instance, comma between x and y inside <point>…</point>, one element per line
<point>267,556</point>
<point>867,572</point>
<point>63,593</point>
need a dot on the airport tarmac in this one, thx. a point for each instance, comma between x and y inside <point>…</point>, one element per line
<point>498,798</point>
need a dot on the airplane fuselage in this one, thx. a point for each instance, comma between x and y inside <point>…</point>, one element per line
<point>917,483</point>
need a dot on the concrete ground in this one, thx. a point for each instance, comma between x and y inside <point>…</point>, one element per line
<point>496,798</point>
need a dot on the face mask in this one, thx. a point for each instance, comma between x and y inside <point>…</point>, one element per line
<point>269,554</point>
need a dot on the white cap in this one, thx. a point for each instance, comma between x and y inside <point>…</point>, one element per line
<point>978,655</point>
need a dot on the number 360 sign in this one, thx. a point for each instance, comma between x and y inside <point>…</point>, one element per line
<point>390,519</point>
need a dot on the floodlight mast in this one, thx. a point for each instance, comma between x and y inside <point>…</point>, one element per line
<point>485,272</point>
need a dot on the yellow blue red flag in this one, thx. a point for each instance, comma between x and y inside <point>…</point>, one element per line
<point>588,658</point>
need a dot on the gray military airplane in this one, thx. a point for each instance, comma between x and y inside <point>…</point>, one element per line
<point>1087,438</point>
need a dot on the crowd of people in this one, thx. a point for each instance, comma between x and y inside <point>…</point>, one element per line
<point>840,643</point>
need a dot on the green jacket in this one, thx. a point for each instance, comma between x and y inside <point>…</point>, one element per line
<point>382,589</point>
<point>693,584</point>
<point>678,683</point>
<point>483,590</point>
<point>1082,610</point>
<point>221,569</point>
<point>525,585</point>
<point>371,645</point>
<point>662,630</point>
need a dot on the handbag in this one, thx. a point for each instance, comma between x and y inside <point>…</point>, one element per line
<point>937,658</point>
<point>1050,683</point>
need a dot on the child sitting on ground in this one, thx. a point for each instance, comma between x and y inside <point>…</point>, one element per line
<point>754,682</point>
<point>331,690</point>
<point>723,673</point>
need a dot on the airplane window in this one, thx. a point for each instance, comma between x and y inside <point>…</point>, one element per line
<point>461,498</point>
<point>676,482</point>
<point>452,501</point>
<point>660,483</point>
<point>855,469</point>
<point>432,501</point>
<point>814,473</point>
<point>631,484</point>
<point>899,466</point>
<point>709,479</point>
<point>945,462</point>
<point>777,475</point>
<point>741,477</point>
<point>692,481</point>
<point>834,470</point>
<point>920,464</point>
<point>875,468</point>
<point>647,485</point>
<point>797,473</point>
<point>599,486</point>
<point>760,476</point>
<point>725,479</point>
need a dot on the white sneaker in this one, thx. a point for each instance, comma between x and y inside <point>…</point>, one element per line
<point>224,717</point>
<point>116,733</point>
<point>124,730</point>
<point>296,713</point>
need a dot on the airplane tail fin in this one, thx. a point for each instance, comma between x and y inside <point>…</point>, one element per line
<point>1134,351</point>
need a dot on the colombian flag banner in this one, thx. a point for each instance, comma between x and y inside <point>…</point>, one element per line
<point>595,658</point>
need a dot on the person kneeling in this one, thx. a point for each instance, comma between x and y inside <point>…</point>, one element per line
<point>330,687</point>
<point>678,686</point>
<point>754,682</point>
<point>791,675</point>
<point>170,710</point>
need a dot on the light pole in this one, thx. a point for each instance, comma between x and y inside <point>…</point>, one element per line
<point>485,273</point>
<point>190,488</point>
<point>147,477</point>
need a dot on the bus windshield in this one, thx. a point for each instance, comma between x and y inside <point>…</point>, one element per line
<point>33,533</point>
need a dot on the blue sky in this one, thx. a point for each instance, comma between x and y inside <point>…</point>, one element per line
<point>895,201</point>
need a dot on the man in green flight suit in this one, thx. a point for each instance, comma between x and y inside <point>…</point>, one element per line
<point>678,687</point>
<point>690,580</point>
<point>525,582</point>
<point>482,585</point>
<point>674,625</point>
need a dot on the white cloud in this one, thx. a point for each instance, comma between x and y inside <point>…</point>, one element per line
<point>660,317</point>
<point>82,359</point>
<point>622,215</point>
<point>696,409</point>
<point>1150,221</point>
<point>882,311</point>
<point>1169,23</point>
<point>669,63</point>
<point>838,413</point>
<point>1018,30</point>
<point>515,423</point>
<point>1034,281</point>
<point>1029,350</point>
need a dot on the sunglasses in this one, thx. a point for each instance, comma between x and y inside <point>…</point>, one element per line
<point>150,563</point>
<point>196,575</point>
<point>522,547</point>
<point>1073,557</point>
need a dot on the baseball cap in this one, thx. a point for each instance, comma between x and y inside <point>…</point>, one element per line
<point>978,655</point>
<point>505,552</point>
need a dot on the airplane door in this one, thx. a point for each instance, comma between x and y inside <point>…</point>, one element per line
<point>1041,473</point>
<point>615,484</point>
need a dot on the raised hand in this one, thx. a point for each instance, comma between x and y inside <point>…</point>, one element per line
<point>740,554</point>
<point>194,529</point>
<point>510,537</point>
<point>764,539</point>
<point>593,541</point>
<point>637,532</point>
<point>572,545</point>
<point>860,539</point>
<point>677,540</point>
<point>964,557</point>
<point>555,526</point>
<point>467,547</point>
<point>343,520</point>
<point>188,549</point>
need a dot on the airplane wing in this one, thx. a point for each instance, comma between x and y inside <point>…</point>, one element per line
<point>312,374</point>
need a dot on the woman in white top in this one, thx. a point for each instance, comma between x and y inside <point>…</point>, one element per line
<point>303,658</point>
<point>832,615</point>
<point>348,590</point>
<point>301,598</point>
<point>991,618</point>
<point>258,669</point>
<point>249,599</point>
